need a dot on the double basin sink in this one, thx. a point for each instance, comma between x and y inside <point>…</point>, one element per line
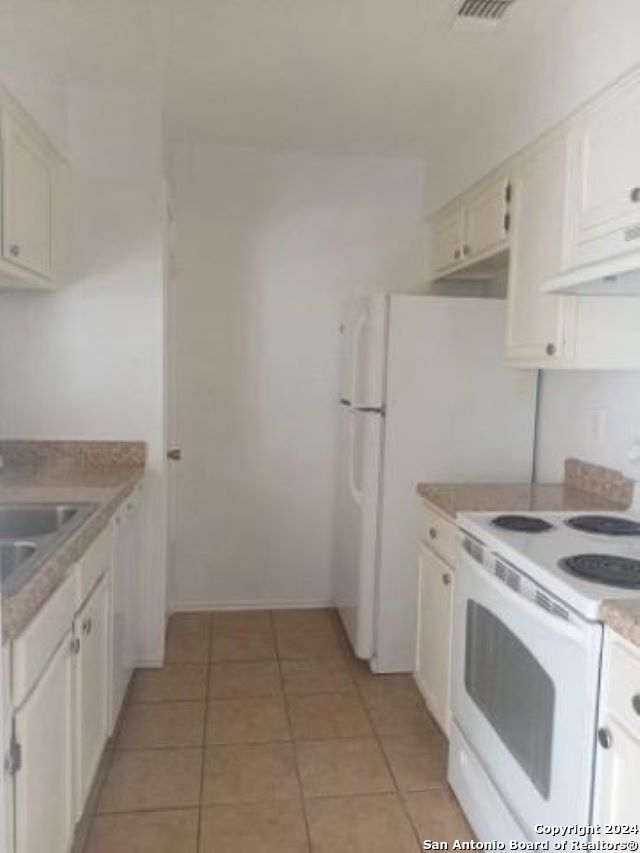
<point>29,535</point>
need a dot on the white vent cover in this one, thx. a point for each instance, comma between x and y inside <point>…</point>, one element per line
<point>482,13</point>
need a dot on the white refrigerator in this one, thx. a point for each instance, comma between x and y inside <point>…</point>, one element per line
<point>426,396</point>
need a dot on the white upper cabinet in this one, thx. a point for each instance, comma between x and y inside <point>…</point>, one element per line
<point>608,168</point>
<point>488,219</point>
<point>448,237</point>
<point>31,207</point>
<point>474,228</point>
<point>539,326</point>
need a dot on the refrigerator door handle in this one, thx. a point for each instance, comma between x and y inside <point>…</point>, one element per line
<point>356,492</point>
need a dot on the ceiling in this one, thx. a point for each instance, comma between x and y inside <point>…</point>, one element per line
<point>378,77</point>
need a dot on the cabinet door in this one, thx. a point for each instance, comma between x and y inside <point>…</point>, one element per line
<point>618,778</point>
<point>26,200</point>
<point>540,325</point>
<point>487,219</point>
<point>447,238</point>
<point>608,164</point>
<point>44,782</point>
<point>91,630</point>
<point>434,634</point>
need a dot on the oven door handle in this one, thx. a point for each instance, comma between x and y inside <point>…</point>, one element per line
<point>556,623</point>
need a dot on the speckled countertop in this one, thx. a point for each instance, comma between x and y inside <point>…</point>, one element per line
<point>103,473</point>
<point>586,488</point>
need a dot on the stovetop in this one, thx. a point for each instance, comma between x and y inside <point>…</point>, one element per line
<point>546,555</point>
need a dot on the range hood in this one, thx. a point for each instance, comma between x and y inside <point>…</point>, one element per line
<point>618,276</point>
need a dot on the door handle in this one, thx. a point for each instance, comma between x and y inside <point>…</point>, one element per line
<point>175,454</point>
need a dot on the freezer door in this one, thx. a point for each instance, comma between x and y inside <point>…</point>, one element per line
<point>356,525</point>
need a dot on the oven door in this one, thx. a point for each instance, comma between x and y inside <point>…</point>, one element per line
<point>524,694</point>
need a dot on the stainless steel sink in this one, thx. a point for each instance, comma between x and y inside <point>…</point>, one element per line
<point>30,533</point>
<point>12,555</point>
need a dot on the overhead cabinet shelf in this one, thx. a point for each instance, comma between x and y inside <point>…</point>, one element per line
<point>31,208</point>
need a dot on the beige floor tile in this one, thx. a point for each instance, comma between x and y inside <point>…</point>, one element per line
<point>312,619</point>
<point>162,724</point>
<point>242,620</point>
<point>245,678</point>
<point>247,828</point>
<point>295,644</point>
<point>417,761</point>
<point>152,779</point>
<point>437,816</point>
<point>231,645</point>
<point>249,773</point>
<point>174,683</point>
<point>339,767</point>
<point>399,713</point>
<point>371,824</point>
<point>188,638</point>
<point>328,715</point>
<point>328,675</point>
<point>145,832</point>
<point>260,719</point>
<point>375,687</point>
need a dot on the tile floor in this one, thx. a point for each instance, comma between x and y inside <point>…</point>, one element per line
<point>263,732</point>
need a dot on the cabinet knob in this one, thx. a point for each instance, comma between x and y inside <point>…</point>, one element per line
<point>635,703</point>
<point>14,250</point>
<point>446,579</point>
<point>550,349</point>
<point>605,738</point>
<point>87,625</point>
<point>635,195</point>
<point>433,533</point>
<point>175,454</point>
<point>74,645</point>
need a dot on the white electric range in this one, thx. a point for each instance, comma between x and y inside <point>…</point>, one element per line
<point>527,647</point>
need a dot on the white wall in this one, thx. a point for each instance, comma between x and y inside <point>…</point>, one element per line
<point>87,362</point>
<point>587,45</point>
<point>269,248</point>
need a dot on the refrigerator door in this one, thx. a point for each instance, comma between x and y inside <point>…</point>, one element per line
<point>455,413</point>
<point>358,477</point>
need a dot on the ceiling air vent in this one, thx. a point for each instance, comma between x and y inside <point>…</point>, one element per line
<point>482,13</point>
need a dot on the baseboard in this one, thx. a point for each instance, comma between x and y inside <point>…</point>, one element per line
<point>149,663</point>
<point>199,607</point>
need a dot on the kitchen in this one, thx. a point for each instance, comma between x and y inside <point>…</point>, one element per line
<point>228,184</point>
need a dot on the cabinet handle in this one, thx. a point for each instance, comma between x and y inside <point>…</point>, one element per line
<point>456,254</point>
<point>87,625</point>
<point>74,645</point>
<point>507,222</point>
<point>14,250</point>
<point>466,250</point>
<point>635,195</point>
<point>433,533</point>
<point>605,738</point>
<point>635,703</point>
<point>550,349</point>
<point>446,579</point>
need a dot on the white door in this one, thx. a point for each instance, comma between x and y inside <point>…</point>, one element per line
<point>27,200</point>
<point>447,239</point>
<point>618,781</point>
<point>524,694</point>
<point>44,782</point>
<point>609,168</point>
<point>434,634</point>
<point>487,219</point>
<point>540,325</point>
<point>91,630</point>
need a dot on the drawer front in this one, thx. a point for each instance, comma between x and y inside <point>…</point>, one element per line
<point>35,646</point>
<point>623,698</point>
<point>93,565</point>
<point>440,534</point>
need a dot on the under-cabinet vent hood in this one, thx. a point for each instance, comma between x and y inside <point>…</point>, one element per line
<point>618,276</point>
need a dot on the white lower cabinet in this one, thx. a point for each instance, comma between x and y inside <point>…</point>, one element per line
<point>91,642</point>
<point>43,729</point>
<point>435,601</point>
<point>618,757</point>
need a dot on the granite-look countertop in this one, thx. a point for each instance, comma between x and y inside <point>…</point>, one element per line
<point>587,488</point>
<point>103,473</point>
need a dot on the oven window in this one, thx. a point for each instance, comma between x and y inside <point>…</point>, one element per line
<point>513,692</point>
